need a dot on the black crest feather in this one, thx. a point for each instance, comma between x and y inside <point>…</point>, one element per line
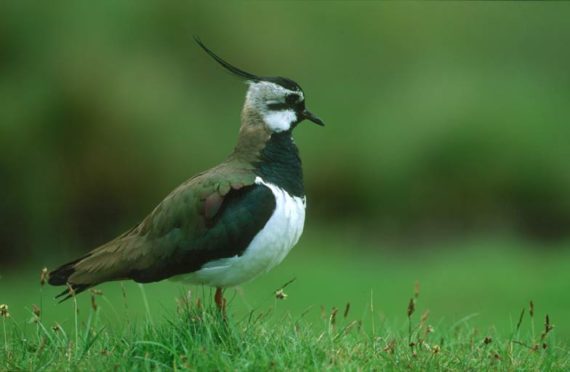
<point>226,65</point>
<point>284,82</point>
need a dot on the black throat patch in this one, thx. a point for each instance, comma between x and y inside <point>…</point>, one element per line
<point>280,164</point>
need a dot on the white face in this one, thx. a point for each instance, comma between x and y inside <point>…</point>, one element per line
<point>277,105</point>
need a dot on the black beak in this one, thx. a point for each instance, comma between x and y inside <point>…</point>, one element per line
<point>312,117</point>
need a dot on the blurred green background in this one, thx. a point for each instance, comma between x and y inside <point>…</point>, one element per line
<point>445,158</point>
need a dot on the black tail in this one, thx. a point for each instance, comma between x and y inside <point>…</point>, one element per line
<point>60,276</point>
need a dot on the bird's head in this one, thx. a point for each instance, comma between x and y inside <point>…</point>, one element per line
<point>280,102</point>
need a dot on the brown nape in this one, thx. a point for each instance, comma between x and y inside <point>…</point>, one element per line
<point>253,135</point>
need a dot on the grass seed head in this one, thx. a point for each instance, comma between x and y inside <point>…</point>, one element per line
<point>44,276</point>
<point>334,311</point>
<point>531,309</point>
<point>390,347</point>
<point>411,307</point>
<point>520,319</point>
<point>487,340</point>
<point>280,294</point>
<point>95,292</point>
<point>4,313</point>
<point>424,318</point>
<point>547,328</point>
<point>36,310</point>
<point>346,310</point>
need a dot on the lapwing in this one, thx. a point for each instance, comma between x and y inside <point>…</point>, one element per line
<point>224,226</point>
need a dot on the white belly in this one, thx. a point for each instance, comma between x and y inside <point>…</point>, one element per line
<point>267,249</point>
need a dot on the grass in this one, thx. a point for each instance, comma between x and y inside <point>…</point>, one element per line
<point>347,309</point>
<point>198,337</point>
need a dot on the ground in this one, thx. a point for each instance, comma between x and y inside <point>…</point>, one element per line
<point>346,309</point>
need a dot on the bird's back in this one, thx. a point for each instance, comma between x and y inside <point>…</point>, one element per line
<point>188,228</point>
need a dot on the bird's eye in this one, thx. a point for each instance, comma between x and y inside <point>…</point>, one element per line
<point>292,99</point>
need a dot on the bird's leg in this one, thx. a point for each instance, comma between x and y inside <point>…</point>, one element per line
<point>220,301</point>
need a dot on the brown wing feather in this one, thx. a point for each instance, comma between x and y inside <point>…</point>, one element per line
<point>190,207</point>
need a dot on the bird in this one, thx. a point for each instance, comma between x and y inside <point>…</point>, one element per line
<point>226,225</point>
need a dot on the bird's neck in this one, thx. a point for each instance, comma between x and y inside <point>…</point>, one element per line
<point>273,156</point>
<point>280,164</point>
